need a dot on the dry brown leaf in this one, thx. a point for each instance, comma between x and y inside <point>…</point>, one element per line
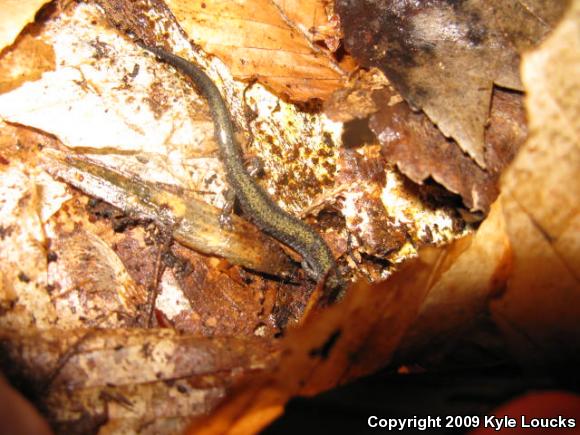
<point>539,311</point>
<point>260,40</point>
<point>444,57</point>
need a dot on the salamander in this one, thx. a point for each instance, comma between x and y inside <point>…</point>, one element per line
<point>256,204</point>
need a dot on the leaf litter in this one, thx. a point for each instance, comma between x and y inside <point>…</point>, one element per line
<point>230,318</point>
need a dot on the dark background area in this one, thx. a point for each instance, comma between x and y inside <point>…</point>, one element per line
<point>451,392</point>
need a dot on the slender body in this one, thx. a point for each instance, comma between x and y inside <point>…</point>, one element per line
<point>255,202</point>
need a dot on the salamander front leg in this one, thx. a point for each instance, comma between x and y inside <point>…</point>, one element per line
<point>254,166</point>
<point>225,218</point>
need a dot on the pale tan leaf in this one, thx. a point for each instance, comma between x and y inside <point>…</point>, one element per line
<point>15,15</point>
<point>310,17</point>
<point>539,311</point>
<point>461,295</point>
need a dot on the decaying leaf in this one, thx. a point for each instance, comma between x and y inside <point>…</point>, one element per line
<point>355,99</point>
<point>445,57</point>
<point>27,199</point>
<point>193,222</point>
<point>91,284</point>
<point>420,151</point>
<point>129,375</point>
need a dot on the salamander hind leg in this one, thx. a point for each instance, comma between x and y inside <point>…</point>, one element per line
<point>309,270</point>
